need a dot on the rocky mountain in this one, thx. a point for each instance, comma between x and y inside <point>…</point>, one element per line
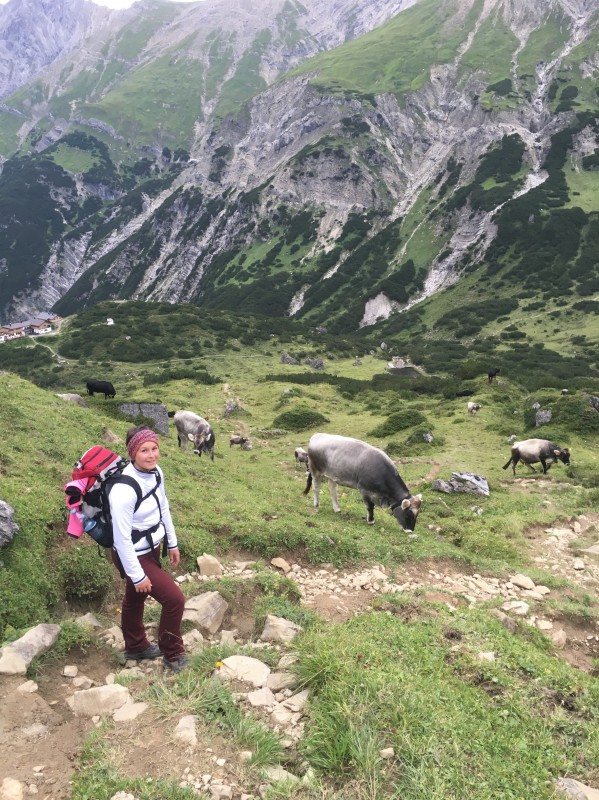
<point>336,163</point>
<point>34,33</point>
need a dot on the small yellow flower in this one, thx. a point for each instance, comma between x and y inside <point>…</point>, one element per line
<point>118,611</point>
<point>219,663</point>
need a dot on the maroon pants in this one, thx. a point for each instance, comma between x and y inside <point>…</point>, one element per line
<point>170,597</point>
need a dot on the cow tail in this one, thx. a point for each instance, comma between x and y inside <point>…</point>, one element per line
<point>309,483</point>
<point>505,466</point>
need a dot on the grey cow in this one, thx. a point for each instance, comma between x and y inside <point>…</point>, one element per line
<point>353,463</point>
<point>195,429</point>
<point>301,457</point>
<point>533,451</point>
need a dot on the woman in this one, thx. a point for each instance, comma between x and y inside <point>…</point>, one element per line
<point>139,528</point>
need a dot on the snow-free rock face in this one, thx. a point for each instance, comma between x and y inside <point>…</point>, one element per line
<point>34,33</point>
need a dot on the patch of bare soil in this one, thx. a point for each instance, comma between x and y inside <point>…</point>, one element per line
<point>39,730</point>
<point>39,744</point>
<point>333,608</point>
<point>583,644</point>
<point>149,750</point>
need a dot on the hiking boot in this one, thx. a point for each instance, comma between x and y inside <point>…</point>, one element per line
<point>177,664</point>
<point>151,651</point>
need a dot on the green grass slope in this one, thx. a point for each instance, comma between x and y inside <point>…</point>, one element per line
<point>406,675</point>
<point>252,500</point>
<point>398,56</point>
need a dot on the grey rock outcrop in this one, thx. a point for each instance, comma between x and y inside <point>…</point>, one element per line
<point>286,359</point>
<point>233,407</point>
<point>8,525</point>
<point>462,482</point>
<point>543,417</point>
<point>157,412</point>
<point>34,34</point>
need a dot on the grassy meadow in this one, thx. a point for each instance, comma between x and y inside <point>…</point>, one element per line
<point>390,678</point>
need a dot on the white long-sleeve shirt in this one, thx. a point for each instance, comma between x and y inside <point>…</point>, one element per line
<point>122,500</point>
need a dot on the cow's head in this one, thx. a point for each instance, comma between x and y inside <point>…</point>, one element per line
<point>202,443</point>
<point>563,454</point>
<point>406,512</point>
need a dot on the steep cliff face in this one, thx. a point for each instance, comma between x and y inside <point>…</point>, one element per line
<point>148,74</point>
<point>34,33</point>
<point>366,181</point>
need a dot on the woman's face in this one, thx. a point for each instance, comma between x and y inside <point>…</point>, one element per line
<point>147,456</point>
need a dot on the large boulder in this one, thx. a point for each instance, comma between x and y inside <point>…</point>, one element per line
<point>8,525</point>
<point>279,629</point>
<point>206,610</point>
<point>18,655</point>
<point>287,359</point>
<point>233,407</point>
<point>246,669</point>
<point>463,482</point>
<point>542,417</point>
<point>100,700</point>
<point>73,398</point>
<point>209,565</point>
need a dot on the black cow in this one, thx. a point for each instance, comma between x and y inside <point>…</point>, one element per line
<point>102,387</point>
<point>493,373</point>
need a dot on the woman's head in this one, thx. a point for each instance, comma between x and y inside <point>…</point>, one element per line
<point>143,447</point>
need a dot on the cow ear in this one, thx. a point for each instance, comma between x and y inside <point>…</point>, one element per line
<point>191,437</point>
<point>417,500</point>
<point>556,452</point>
<point>405,504</point>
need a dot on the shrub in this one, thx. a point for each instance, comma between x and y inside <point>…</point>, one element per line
<point>414,444</point>
<point>299,419</point>
<point>83,573</point>
<point>398,422</point>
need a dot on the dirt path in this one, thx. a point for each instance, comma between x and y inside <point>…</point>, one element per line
<point>41,739</point>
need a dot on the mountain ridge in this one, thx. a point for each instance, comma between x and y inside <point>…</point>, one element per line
<point>387,194</point>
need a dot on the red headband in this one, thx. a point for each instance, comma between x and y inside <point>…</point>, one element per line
<point>141,437</point>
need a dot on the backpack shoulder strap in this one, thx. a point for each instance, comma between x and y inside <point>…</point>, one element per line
<point>152,491</point>
<point>128,481</point>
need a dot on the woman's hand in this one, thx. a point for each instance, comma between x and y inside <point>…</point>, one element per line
<point>145,586</point>
<point>174,557</point>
